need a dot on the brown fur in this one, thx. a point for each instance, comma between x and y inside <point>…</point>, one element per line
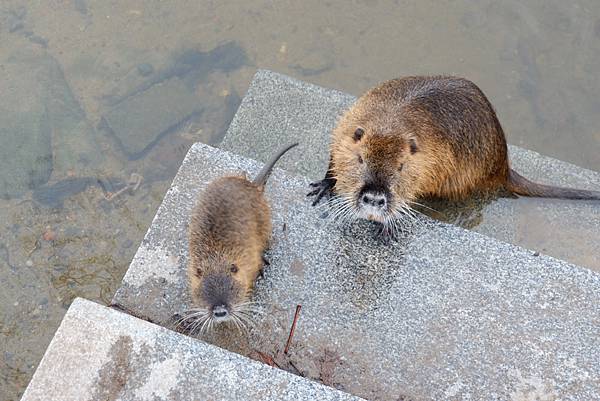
<point>231,224</point>
<point>229,232</point>
<point>460,145</point>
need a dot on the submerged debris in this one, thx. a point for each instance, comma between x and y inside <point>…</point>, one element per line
<point>55,194</point>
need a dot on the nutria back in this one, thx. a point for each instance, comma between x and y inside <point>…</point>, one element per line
<point>460,145</point>
<point>232,217</point>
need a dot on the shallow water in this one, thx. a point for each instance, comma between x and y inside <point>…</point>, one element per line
<point>83,122</point>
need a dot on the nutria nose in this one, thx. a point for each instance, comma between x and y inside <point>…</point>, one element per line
<point>374,199</point>
<point>220,311</point>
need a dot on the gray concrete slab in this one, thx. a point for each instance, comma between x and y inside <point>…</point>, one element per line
<point>445,313</point>
<point>279,109</point>
<point>99,354</point>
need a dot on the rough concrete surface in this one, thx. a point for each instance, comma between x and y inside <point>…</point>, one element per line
<point>444,313</point>
<point>99,354</point>
<point>279,109</point>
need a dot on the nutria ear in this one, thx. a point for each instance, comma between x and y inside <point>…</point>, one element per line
<point>358,134</point>
<point>413,146</point>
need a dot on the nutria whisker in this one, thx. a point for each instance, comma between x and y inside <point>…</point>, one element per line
<point>207,325</point>
<point>189,315</point>
<point>250,311</point>
<point>237,323</point>
<point>247,313</point>
<point>244,320</point>
<point>249,303</point>
<point>200,322</point>
<point>344,210</point>
<point>423,206</point>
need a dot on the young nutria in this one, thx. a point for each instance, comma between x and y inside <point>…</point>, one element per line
<point>419,137</point>
<point>229,232</point>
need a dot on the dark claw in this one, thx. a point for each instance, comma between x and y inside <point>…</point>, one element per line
<point>266,261</point>
<point>322,188</point>
<point>314,192</point>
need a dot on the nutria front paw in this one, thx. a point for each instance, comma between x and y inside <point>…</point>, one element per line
<point>321,188</point>
<point>180,324</point>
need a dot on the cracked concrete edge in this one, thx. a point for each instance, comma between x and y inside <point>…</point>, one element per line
<point>102,354</point>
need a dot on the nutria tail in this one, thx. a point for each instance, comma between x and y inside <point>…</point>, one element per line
<point>520,185</point>
<point>264,174</point>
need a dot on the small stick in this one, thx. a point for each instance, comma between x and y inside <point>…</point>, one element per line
<point>289,341</point>
<point>267,359</point>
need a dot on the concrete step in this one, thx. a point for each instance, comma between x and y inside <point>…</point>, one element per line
<point>445,313</point>
<point>279,109</point>
<point>101,354</point>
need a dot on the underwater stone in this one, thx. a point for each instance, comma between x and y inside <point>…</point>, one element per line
<point>139,121</point>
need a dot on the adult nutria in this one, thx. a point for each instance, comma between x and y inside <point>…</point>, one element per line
<point>419,137</point>
<point>229,231</point>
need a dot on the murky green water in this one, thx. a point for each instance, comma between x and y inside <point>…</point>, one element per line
<point>88,145</point>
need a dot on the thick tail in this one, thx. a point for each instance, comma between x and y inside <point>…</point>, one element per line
<point>264,174</point>
<point>520,185</point>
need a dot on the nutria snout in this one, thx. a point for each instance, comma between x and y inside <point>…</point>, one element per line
<point>221,293</point>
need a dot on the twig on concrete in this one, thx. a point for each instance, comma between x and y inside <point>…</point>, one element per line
<point>267,359</point>
<point>289,341</point>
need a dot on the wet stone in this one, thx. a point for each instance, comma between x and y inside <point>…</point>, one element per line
<point>14,25</point>
<point>80,6</point>
<point>38,101</point>
<point>127,244</point>
<point>19,12</point>
<point>163,106</point>
<point>145,69</point>
<point>25,132</point>
<point>39,40</point>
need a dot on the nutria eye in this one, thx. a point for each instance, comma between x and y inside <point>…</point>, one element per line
<point>233,269</point>
<point>413,147</point>
<point>360,160</point>
<point>358,134</point>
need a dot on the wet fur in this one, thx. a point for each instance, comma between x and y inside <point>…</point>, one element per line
<point>229,231</point>
<point>231,224</point>
<point>426,137</point>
